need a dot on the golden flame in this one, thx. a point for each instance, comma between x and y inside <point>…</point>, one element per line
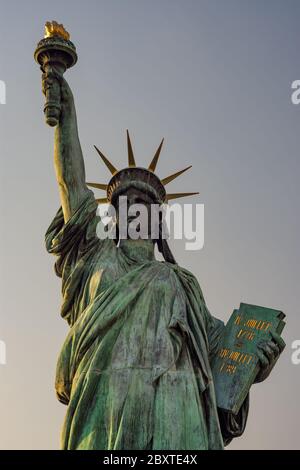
<point>52,28</point>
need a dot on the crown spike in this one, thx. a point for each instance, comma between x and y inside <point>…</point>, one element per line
<point>98,185</point>
<point>102,200</point>
<point>109,165</point>
<point>177,195</point>
<point>154,161</point>
<point>131,160</point>
<point>170,178</point>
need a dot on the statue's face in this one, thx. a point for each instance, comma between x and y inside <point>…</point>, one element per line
<point>143,217</point>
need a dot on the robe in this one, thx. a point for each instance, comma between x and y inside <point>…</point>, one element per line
<point>134,370</point>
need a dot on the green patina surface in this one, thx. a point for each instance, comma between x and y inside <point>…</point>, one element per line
<point>134,370</point>
<point>135,367</point>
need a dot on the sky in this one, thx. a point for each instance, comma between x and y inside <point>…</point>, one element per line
<point>214,79</point>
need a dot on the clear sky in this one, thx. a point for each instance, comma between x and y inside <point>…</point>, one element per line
<point>214,78</point>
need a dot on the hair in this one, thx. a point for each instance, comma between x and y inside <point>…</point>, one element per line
<point>140,186</point>
<point>164,249</point>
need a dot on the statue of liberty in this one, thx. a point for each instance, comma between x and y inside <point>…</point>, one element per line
<point>135,368</point>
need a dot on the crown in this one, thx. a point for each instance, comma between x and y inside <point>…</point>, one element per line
<point>52,28</point>
<point>141,178</point>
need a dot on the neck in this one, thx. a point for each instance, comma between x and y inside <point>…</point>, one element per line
<point>138,250</point>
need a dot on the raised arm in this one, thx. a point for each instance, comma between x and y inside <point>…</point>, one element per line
<point>68,158</point>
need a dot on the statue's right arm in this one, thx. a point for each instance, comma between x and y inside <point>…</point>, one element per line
<point>68,158</point>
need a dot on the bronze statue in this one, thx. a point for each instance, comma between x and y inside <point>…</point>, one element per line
<point>135,368</point>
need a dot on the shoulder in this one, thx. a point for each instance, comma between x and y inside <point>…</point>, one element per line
<point>182,272</point>
<point>175,272</point>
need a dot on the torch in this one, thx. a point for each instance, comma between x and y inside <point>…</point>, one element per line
<point>55,53</point>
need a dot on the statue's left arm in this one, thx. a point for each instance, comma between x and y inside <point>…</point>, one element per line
<point>206,336</point>
<point>234,425</point>
<point>268,352</point>
<point>231,425</point>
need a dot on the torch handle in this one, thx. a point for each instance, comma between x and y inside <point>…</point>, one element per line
<point>52,107</point>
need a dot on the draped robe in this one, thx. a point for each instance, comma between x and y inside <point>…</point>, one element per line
<point>134,369</point>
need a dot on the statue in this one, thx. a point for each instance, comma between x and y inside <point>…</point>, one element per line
<point>135,368</point>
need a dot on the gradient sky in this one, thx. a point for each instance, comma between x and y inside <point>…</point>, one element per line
<point>212,77</point>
